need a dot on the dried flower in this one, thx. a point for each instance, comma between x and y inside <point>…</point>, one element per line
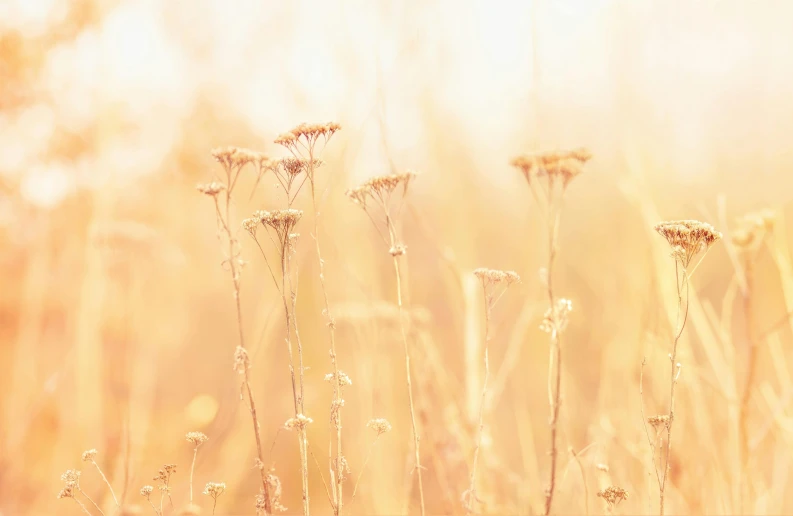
<point>398,250</point>
<point>275,489</point>
<point>613,495</point>
<point>71,477</point>
<point>379,425</point>
<point>561,166</point>
<point>493,276</point>
<point>89,455</point>
<point>196,438</point>
<point>241,360</point>
<point>146,491</point>
<point>658,421</point>
<point>214,489</point>
<point>380,188</point>
<point>687,238</point>
<point>300,421</point>
<point>66,492</point>
<point>557,319</point>
<point>211,189</point>
<point>235,157</point>
<point>343,378</point>
<point>309,132</point>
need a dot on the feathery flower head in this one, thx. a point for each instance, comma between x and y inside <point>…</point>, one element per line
<point>196,438</point>
<point>687,238</point>
<point>379,425</point>
<point>89,455</point>
<point>211,189</point>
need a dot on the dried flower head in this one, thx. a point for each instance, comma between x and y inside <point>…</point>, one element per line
<point>687,238</point>
<point>613,495</point>
<point>66,492</point>
<point>300,421</point>
<point>146,491</point>
<point>557,319</point>
<point>344,380</point>
<point>658,421</point>
<point>211,189</point>
<point>250,225</point>
<point>493,276</point>
<point>557,166</point>
<point>310,133</point>
<point>380,188</point>
<point>241,360</point>
<point>89,455</point>
<point>235,157</point>
<point>379,425</point>
<point>398,250</point>
<point>281,221</point>
<point>196,438</point>
<point>71,477</point>
<point>215,489</point>
<point>275,489</point>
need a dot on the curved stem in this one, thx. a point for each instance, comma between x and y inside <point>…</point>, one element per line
<point>106,482</point>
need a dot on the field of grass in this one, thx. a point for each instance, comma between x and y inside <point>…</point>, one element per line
<point>428,267</point>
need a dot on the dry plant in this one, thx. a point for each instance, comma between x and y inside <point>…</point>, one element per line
<point>613,495</point>
<point>306,143</point>
<point>748,238</point>
<point>494,285</point>
<point>377,199</point>
<point>548,175</point>
<point>379,426</point>
<point>233,160</point>
<point>688,239</point>
<point>196,439</point>
<point>279,227</point>
<point>214,490</point>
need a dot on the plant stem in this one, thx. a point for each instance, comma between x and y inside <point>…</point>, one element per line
<point>363,468</point>
<point>192,469</point>
<point>106,482</point>
<point>337,510</point>
<point>682,291</point>
<point>416,439</point>
<point>90,500</point>
<point>472,498</point>
<point>82,506</point>
<point>553,222</point>
<point>246,376</point>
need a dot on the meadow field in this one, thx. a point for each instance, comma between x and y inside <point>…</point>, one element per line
<point>396,257</point>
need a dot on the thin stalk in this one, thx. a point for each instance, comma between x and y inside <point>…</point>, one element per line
<point>363,468</point>
<point>192,469</point>
<point>748,309</point>
<point>339,505</point>
<point>416,438</point>
<point>82,506</point>
<point>90,500</point>
<point>113,494</point>
<point>553,223</point>
<point>472,498</point>
<point>245,374</point>
<point>682,292</point>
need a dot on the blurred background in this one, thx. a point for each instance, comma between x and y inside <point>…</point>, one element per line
<point>117,323</point>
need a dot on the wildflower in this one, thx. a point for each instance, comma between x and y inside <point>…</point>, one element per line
<point>687,238</point>
<point>557,319</point>
<point>146,491</point>
<point>214,489</point>
<point>493,276</point>
<point>196,438</point>
<point>211,189</point>
<point>300,421</point>
<point>613,495</point>
<point>379,425</point>
<point>89,455</point>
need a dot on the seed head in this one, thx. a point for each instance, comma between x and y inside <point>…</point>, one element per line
<point>687,238</point>
<point>381,188</point>
<point>344,380</point>
<point>557,319</point>
<point>658,421</point>
<point>562,166</point>
<point>613,495</point>
<point>493,276</point>
<point>196,438</point>
<point>241,360</point>
<point>71,477</point>
<point>89,455</point>
<point>379,425</point>
<point>215,489</point>
<point>211,189</point>
<point>300,421</point>
<point>146,491</point>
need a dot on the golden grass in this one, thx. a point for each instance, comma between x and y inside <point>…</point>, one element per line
<point>122,327</point>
